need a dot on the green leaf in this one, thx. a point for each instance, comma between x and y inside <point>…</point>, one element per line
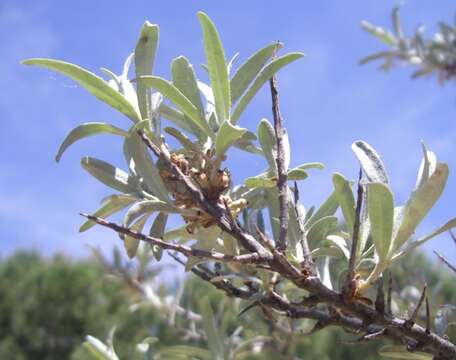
<point>371,162</point>
<point>184,140</point>
<point>176,117</point>
<point>109,175</point>
<point>447,226</point>
<point>99,350</point>
<point>328,208</point>
<point>91,82</point>
<point>157,230</point>
<point>345,199</point>
<point>131,244</point>
<point>265,74</point>
<point>260,181</point>
<point>85,130</point>
<point>171,92</point>
<point>185,80</point>
<point>380,208</point>
<point>110,205</point>
<point>140,163</point>
<point>419,204</point>
<point>213,337</point>
<point>216,64</point>
<point>400,352</point>
<point>427,166</point>
<point>268,143</point>
<point>147,206</point>
<point>145,50</point>
<point>227,135</point>
<point>379,33</point>
<point>296,174</point>
<point>250,69</point>
<point>183,352</point>
<point>321,229</point>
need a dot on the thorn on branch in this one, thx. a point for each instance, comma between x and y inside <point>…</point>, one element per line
<point>445,261</point>
<point>411,321</point>
<point>428,317</point>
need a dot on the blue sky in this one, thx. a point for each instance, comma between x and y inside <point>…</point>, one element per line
<point>327,100</point>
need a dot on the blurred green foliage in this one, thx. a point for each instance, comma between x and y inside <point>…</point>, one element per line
<point>47,306</point>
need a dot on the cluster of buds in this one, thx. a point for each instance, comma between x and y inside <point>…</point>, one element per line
<point>204,170</point>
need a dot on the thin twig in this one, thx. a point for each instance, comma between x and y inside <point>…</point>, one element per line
<point>281,167</point>
<point>412,318</point>
<point>348,288</point>
<point>185,250</point>
<point>445,261</point>
<point>380,298</point>
<point>389,297</point>
<point>308,261</point>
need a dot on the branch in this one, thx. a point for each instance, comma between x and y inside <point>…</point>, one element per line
<point>281,167</point>
<point>349,287</point>
<point>445,261</point>
<point>252,258</point>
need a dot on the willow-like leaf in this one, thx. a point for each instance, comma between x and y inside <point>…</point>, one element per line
<point>249,70</point>
<point>345,199</point>
<point>370,161</point>
<point>419,204</point>
<point>265,74</point>
<point>140,163</point>
<point>268,143</point>
<point>171,92</point>
<point>227,135</point>
<point>185,80</point>
<point>148,206</point>
<point>145,50</point>
<point>110,205</point>
<point>216,64</point>
<point>380,208</point>
<point>131,244</point>
<point>109,175</point>
<point>91,82</point>
<point>157,230</point>
<point>86,130</point>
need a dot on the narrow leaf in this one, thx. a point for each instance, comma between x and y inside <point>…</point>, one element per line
<point>227,135</point>
<point>345,199</point>
<point>265,74</point>
<point>380,208</point>
<point>185,80</point>
<point>140,163</point>
<point>91,82</point>
<point>85,130</point>
<point>157,230</point>
<point>147,206</point>
<point>111,205</point>
<point>328,208</point>
<point>145,50</point>
<point>370,161</point>
<point>250,69</point>
<point>110,175</point>
<point>216,64</point>
<point>427,166</point>
<point>268,143</point>
<point>131,244</point>
<point>447,226</point>
<point>171,92</point>
<point>419,204</point>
